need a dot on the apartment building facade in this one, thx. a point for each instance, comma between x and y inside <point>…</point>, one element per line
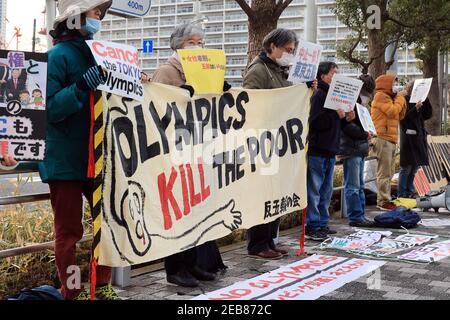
<point>226,28</point>
<point>2,23</point>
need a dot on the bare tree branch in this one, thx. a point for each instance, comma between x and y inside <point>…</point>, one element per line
<point>244,6</point>
<point>281,5</point>
<point>354,60</point>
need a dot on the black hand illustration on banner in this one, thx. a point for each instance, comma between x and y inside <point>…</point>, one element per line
<point>231,220</point>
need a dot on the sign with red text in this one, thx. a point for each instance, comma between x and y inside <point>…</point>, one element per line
<point>343,93</point>
<point>122,64</point>
<point>307,279</point>
<point>181,171</point>
<point>307,59</point>
<point>390,246</point>
<point>429,253</point>
<point>23,101</point>
<point>357,240</point>
<point>204,69</point>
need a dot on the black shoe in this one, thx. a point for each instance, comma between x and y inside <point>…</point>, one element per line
<point>316,235</point>
<point>328,231</point>
<point>363,224</point>
<point>183,279</point>
<point>200,274</point>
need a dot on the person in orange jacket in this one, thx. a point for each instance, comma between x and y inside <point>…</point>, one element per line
<point>388,109</point>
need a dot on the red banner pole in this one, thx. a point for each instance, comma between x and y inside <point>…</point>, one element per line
<point>302,235</point>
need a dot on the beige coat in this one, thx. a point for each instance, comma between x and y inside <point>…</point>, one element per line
<point>170,73</point>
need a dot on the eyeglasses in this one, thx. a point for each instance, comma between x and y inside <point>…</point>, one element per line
<point>289,50</point>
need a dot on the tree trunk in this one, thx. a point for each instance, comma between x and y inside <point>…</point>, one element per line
<point>376,50</point>
<point>430,70</point>
<point>258,28</point>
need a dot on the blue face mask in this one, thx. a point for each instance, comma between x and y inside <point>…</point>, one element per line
<point>92,26</point>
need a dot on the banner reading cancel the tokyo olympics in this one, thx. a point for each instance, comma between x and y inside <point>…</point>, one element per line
<point>122,63</point>
<point>182,171</point>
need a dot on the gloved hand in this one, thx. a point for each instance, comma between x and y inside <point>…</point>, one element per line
<point>226,86</point>
<point>188,88</point>
<point>93,77</point>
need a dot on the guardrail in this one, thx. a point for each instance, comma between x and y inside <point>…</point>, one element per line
<point>121,276</point>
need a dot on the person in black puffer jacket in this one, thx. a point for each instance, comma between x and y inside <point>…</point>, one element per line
<point>353,149</point>
<point>323,145</point>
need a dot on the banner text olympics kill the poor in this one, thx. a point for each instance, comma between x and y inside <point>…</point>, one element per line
<point>181,171</point>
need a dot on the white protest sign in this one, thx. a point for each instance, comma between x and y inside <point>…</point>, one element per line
<point>307,59</point>
<point>358,240</point>
<point>365,118</point>
<point>122,63</point>
<point>343,93</point>
<point>307,279</point>
<point>384,248</point>
<point>416,239</point>
<point>429,253</point>
<point>420,90</point>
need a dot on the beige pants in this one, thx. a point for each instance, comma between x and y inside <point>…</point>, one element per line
<point>385,153</point>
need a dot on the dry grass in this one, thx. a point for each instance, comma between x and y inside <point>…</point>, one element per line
<point>22,225</point>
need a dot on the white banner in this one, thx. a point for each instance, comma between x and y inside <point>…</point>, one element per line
<point>122,63</point>
<point>343,93</point>
<point>182,171</point>
<point>421,90</point>
<point>307,279</point>
<point>307,59</point>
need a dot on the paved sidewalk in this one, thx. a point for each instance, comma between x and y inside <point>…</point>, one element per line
<point>399,280</point>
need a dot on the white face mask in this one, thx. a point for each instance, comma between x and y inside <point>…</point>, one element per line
<point>286,60</point>
<point>193,47</point>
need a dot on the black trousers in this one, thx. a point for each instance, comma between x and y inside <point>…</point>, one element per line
<point>180,261</point>
<point>260,237</point>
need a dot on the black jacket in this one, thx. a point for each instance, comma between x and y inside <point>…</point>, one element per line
<point>14,90</point>
<point>324,125</point>
<point>354,141</point>
<point>413,136</point>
